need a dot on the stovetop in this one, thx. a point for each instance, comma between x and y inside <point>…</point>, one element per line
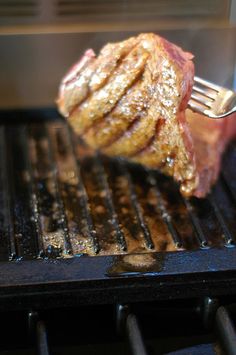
<point>180,328</point>
<point>48,304</point>
<point>99,256</point>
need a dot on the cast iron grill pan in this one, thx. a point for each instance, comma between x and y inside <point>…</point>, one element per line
<point>75,222</point>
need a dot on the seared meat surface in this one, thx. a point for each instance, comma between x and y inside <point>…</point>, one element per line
<point>131,100</point>
<point>210,137</point>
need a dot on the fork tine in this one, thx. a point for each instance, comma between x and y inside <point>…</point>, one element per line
<point>204,92</point>
<point>201,100</point>
<point>212,100</point>
<point>195,106</point>
<point>207,84</point>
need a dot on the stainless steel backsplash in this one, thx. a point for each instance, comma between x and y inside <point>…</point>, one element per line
<point>40,39</point>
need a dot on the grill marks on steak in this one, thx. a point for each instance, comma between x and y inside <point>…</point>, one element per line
<point>78,77</point>
<point>131,101</point>
<point>89,75</point>
<point>162,89</point>
<point>102,101</point>
<point>131,107</point>
<point>126,91</point>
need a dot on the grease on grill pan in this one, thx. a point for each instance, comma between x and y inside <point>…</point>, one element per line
<point>57,199</point>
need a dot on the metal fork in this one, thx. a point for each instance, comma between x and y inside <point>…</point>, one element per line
<point>212,100</point>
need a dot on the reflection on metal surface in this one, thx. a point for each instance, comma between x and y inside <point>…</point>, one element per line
<point>109,14</point>
<point>42,59</point>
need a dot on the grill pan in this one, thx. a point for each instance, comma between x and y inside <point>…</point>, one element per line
<point>79,228</point>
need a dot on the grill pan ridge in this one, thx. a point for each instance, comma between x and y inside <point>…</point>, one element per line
<point>78,223</point>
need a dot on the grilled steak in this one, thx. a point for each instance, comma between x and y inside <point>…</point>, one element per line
<point>131,101</point>
<point>210,137</point>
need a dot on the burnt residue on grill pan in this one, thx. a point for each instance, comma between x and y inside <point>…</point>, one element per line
<point>58,200</point>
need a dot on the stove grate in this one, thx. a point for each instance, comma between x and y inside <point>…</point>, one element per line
<point>130,328</point>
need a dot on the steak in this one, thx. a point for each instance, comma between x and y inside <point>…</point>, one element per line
<point>131,101</point>
<point>210,138</point>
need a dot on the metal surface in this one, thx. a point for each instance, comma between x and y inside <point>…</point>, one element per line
<point>166,327</point>
<point>42,339</point>
<point>129,317</point>
<point>209,308</point>
<point>212,100</point>
<point>206,349</point>
<point>134,335</point>
<point>91,228</point>
<point>226,330</point>
<point>36,53</point>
